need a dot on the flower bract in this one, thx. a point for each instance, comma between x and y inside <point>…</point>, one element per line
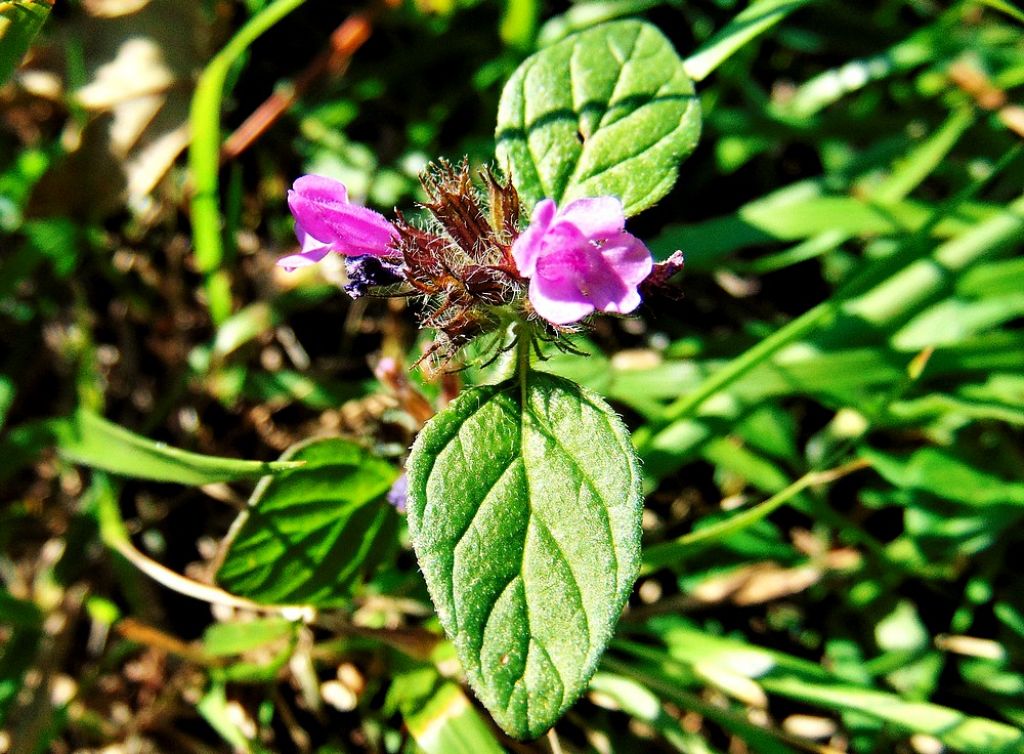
<point>580,259</point>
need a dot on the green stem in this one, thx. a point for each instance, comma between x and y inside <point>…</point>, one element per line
<point>524,342</point>
<point>881,295</point>
<point>669,552</point>
<point>753,21</point>
<point>204,156</point>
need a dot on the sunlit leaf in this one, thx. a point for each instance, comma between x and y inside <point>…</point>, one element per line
<point>311,532</point>
<point>608,111</point>
<point>20,21</point>
<point>91,440</point>
<point>524,509</point>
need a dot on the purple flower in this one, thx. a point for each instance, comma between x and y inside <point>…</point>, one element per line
<point>326,221</point>
<point>398,495</point>
<point>367,272</point>
<point>580,259</point>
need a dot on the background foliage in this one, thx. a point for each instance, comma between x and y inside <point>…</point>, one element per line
<point>829,419</point>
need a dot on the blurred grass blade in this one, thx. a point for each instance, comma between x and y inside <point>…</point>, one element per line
<point>669,687</point>
<point>830,86</point>
<point>756,19</point>
<point>958,731</point>
<point>804,212</point>
<point>665,553</point>
<point>213,707</point>
<point>641,703</point>
<point>785,216</point>
<point>866,304</point>
<point>91,440</point>
<point>1004,6</point>
<point>808,682</point>
<point>204,155</point>
<point>519,22</point>
<point>945,475</point>
<point>20,21</point>
<point>902,292</point>
<point>921,161</point>
<point>448,724</point>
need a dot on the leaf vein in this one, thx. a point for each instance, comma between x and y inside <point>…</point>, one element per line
<point>593,488</point>
<point>634,156</point>
<point>575,582</point>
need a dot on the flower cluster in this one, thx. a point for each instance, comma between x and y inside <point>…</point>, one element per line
<point>471,262</point>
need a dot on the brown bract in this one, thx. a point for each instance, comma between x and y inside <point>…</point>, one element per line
<point>463,263</point>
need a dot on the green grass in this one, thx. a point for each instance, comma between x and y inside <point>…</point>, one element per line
<point>829,417</point>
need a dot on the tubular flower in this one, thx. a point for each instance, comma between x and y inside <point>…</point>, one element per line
<point>326,221</point>
<point>580,259</point>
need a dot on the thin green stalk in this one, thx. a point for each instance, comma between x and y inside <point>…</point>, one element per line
<point>114,534</point>
<point>668,552</point>
<point>886,292</point>
<point>524,342</point>
<point>753,21</point>
<point>687,405</point>
<point>204,156</point>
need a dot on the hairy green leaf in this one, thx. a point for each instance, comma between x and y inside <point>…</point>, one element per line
<point>524,510</point>
<point>608,111</point>
<point>311,532</point>
<point>91,440</point>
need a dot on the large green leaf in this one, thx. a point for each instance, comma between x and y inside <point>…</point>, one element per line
<point>311,532</point>
<point>91,440</point>
<point>609,111</point>
<point>524,510</point>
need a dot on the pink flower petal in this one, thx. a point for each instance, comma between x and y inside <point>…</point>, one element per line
<point>530,243</point>
<point>556,308</point>
<point>580,259</point>
<point>629,257</point>
<point>321,189</point>
<point>322,210</point>
<point>599,217</point>
<point>292,262</point>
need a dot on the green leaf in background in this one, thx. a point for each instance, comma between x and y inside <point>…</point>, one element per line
<point>226,639</point>
<point>524,510</point>
<point>311,532</point>
<point>754,20</point>
<point>91,440</point>
<point>259,648</point>
<point>22,623</point>
<point>20,21</point>
<point>943,474</point>
<point>691,650</point>
<point>608,111</point>
<point>448,724</point>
